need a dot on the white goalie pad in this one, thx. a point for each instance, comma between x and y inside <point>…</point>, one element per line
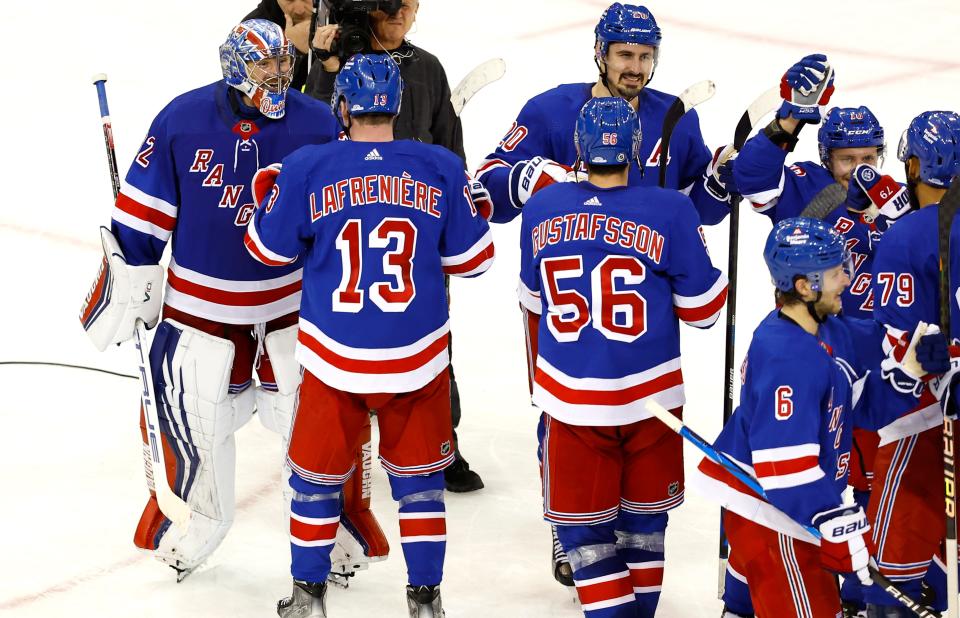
<point>275,409</point>
<point>198,417</point>
<point>119,296</point>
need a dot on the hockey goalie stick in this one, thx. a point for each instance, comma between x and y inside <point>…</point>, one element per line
<point>826,201</point>
<point>688,99</point>
<point>945,215</point>
<point>171,505</point>
<point>730,466</point>
<point>482,75</point>
<point>763,105</point>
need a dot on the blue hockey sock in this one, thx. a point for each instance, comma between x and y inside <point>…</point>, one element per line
<point>314,519</point>
<point>600,574</point>
<point>423,526</point>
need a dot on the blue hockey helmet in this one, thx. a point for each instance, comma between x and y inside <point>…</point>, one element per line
<point>626,23</point>
<point>370,83</point>
<point>803,247</point>
<point>607,132</point>
<point>849,127</point>
<point>934,139</point>
<point>257,59</point>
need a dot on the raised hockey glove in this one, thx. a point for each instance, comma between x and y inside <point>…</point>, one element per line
<point>480,198</point>
<point>843,548</point>
<point>806,89</point>
<point>933,351</point>
<point>718,180</point>
<point>901,367</point>
<point>528,177</point>
<point>872,193</point>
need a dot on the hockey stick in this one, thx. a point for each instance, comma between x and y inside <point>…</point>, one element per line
<point>826,201</point>
<point>482,75</point>
<point>688,99</point>
<point>763,105</point>
<point>171,505</point>
<point>945,215</point>
<point>741,475</point>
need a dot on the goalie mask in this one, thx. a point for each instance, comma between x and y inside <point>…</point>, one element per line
<point>257,59</point>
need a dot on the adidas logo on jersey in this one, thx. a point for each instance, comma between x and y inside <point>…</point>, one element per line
<point>593,201</point>
<point>373,155</point>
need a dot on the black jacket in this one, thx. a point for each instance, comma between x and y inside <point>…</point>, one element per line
<point>426,113</point>
<point>270,10</point>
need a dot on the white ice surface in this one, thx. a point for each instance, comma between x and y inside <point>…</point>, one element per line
<point>70,464</point>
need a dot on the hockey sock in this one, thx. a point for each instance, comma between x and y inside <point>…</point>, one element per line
<point>736,593</point>
<point>423,526</point>
<point>640,545</point>
<point>936,581</point>
<point>601,576</point>
<point>314,519</point>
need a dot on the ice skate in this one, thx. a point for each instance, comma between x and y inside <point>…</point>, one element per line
<point>309,600</point>
<point>424,602</point>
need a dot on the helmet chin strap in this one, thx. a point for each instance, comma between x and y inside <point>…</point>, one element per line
<point>812,309</point>
<point>911,186</point>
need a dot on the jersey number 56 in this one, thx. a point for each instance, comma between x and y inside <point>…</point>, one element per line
<point>618,314</point>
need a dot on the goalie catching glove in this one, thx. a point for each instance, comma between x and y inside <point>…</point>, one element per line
<point>120,296</point>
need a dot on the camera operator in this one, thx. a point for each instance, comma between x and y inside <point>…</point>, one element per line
<point>294,16</point>
<point>425,113</point>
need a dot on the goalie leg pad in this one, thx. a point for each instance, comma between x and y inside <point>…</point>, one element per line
<point>423,526</point>
<point>277,399</point>
<point>360,540</point>
<point>599,573</point>
<point>120,295</point>
<point>198,417</point>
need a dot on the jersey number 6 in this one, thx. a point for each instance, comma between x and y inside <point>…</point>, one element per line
<point>392,297</point>
<point>620,315</point>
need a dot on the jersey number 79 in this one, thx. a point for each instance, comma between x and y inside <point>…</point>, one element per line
<point>620,315</point>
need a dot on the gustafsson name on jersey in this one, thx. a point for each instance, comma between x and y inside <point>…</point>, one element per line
<point>587,226</point>
<point>376,189</point>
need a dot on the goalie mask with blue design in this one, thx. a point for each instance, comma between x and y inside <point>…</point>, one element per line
<point>257,59</point>
<point>607,132</point>
<point>801,247</point>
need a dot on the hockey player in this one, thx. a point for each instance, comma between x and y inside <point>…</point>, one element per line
<point>377,224</point>
<point>537,150</point>
<point>852,146</point>
<point>907,507</point>
<point>791,431</point>
<point>610,270</point>
<point>223,312</point>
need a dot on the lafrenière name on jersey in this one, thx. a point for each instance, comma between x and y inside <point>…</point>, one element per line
<point>590,226</point>
<point>375,189</point>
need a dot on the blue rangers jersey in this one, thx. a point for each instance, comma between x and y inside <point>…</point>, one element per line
<point>793,428</point>
<point>376,226</point>
<point>191,181</point>
<point>780,192</point>
<point>611,272</point>
<point>545,128</point>
<point>906,289</point>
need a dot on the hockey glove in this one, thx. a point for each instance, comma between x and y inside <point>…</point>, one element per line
<point>806,89</point>
<point>873,194</point>
<point>843,548</point>
<point>901,368</point>
<point>263,181</point>
<point>718,180</point>
<point>480,198</point>
<point>528,177</point>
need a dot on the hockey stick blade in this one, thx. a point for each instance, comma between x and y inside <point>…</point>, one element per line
<point>484,74</point>
<point>741,475</point>
<point>826,201</point>
<point>171,505</point>
<point>688,99</point>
